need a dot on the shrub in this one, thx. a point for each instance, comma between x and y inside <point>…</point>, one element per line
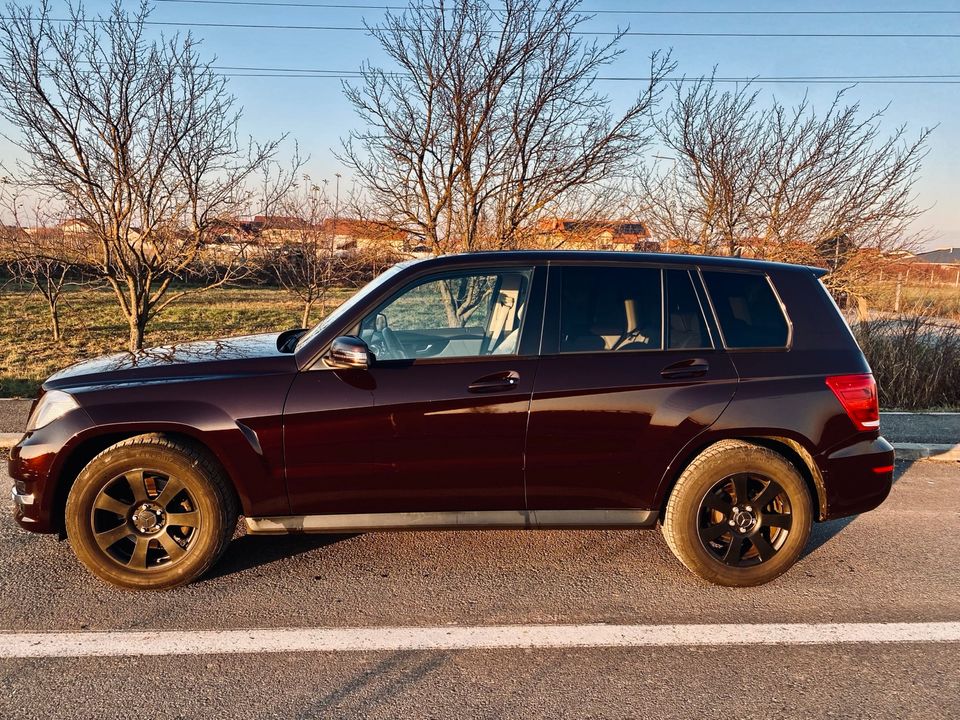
<point>916,361</point>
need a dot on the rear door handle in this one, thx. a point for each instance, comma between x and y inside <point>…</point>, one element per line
<point>692,367</point>
<point>497,382</point>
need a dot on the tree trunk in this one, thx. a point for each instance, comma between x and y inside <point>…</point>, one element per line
<point>305,321</point>
<point>55,320</point>
<point>137,330</point>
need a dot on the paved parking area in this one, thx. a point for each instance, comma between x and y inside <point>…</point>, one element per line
<point>898,564</point>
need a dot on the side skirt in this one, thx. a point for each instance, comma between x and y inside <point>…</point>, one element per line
<point>458,520</point>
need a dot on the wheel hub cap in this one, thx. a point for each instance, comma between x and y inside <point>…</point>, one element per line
<point>148,518</point>
<point>744,520</point>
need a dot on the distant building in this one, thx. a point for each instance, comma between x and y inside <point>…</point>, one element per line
<point>940,256</point>
<point>569,234</point>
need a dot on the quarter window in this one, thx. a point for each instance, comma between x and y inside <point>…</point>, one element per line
<point>467,314</point>
<point>686,327</point>
<point>749,313</point>
<point>606,309</point>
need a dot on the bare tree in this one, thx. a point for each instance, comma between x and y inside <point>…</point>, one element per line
<point>781,182</point>
<point>308,262</point>
<point>489,120</point>
<point>139,135</point>
<point>40,251</point>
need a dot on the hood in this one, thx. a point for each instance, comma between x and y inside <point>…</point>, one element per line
<point>249,354</point>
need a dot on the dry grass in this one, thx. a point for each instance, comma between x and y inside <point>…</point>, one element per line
<point>92,326</point>
<point>928,300</point>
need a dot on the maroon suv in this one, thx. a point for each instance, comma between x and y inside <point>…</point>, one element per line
<point>725,399</point>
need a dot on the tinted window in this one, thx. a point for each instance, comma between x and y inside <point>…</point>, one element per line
<point>686,327</point>
<point>748,311</point>
<point>610,309</point>
<point>458,315</point>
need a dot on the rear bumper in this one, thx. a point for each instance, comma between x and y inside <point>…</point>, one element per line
<point>856,478</point>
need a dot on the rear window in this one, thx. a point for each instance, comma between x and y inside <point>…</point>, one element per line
<point>749,313</point>
<point>608,309</point>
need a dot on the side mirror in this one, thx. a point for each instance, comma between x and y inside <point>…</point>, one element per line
<point>347,351</point>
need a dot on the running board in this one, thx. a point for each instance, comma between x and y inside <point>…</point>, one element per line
<point>456,520</point>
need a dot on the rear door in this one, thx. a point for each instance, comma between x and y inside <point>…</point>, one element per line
<point>630,373</point>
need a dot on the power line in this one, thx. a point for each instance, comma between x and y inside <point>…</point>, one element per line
<point>629,33</point>
<point>743,80</point>
<point>255,71</point>
<point>588,11</point>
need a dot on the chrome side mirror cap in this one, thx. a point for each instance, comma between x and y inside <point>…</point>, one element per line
<point>347,351</point>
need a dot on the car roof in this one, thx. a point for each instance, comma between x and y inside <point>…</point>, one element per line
<point>542,257</point>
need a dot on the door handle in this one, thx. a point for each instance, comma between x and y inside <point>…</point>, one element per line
<point>495,383</point>
<point>692,367</point>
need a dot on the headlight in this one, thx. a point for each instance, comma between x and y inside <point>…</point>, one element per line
<point>52,405</point>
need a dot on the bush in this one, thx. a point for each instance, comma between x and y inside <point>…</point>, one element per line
<point>916,361</point>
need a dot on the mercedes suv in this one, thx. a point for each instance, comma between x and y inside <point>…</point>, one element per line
<point>723,399</point>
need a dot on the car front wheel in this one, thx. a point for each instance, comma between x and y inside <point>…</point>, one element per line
<point>740,514</point>
<point>150,513</point>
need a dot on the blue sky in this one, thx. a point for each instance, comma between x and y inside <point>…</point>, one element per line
<point>313,110</point>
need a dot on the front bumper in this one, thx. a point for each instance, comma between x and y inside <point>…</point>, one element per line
<point>857,478</point>
<point>35,464</point>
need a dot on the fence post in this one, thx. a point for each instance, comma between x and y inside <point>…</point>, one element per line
<point>956,282</point>
<point>896,304</point>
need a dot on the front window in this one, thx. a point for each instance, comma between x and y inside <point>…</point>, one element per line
<point>464,314</point>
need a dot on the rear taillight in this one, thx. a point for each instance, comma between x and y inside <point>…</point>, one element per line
<point>858,395</point>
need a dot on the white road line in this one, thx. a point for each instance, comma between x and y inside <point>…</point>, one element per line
<point>285,640</point>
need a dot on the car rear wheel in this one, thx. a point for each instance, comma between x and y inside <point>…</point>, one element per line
<point>150,513</point>
<point>739,515</point>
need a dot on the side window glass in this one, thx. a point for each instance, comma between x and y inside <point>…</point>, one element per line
<point>463,315</point>
<point>610,309</point>
<point>686,327</point>
<point>749,313</point>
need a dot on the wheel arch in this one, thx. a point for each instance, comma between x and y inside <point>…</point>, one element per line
<point>79,456</point>
<point>790,448</point>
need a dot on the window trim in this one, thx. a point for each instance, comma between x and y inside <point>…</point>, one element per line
<point>773,288</point>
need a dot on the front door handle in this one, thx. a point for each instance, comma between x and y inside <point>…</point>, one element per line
<point>498,382</point>
<point>692,367</point>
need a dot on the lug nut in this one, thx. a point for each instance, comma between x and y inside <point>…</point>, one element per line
<point>731,522</point>
<point>749,509</point>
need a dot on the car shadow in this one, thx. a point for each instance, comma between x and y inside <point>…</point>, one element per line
<point>250,551</point>
<point>824,532</point>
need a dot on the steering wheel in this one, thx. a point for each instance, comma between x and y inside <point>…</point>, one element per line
<point>394,350</point>
<point>383,342</point>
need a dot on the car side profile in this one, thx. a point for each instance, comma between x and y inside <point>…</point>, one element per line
<point>724,399</point>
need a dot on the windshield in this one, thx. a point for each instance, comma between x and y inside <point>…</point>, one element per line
<point>352,302</point>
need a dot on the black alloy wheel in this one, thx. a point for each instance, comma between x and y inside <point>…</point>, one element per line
<point>744,519</point>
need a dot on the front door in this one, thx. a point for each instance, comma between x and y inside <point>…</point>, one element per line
<point>628,377</point>
<point>438,421</point>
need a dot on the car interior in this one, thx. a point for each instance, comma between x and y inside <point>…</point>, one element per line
<point>463,316</point>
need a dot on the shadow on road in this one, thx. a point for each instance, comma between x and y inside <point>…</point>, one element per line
<point>251,551</point>
<point>824,532</point>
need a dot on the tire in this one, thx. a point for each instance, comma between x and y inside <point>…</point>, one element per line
<point>151,513</point>
<point>740,515</point>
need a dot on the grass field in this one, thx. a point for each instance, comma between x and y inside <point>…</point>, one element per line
<point>92,326</point>
<point>931,300</point>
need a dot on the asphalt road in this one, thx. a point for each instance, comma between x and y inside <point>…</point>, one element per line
<point>900,563</point>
